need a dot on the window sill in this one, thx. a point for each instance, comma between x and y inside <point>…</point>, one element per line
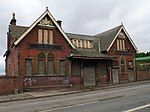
<point>47,76</point>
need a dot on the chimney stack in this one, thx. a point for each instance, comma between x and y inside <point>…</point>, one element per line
<point>13,20</point>
<point>59,22</point>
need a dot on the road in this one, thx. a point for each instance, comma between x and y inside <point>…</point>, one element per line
<point>122,99</point>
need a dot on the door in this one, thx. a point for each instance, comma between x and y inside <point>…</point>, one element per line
<point>115,77</point>
<point>89,76</point>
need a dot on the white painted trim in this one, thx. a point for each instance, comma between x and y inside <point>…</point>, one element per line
<point>127,36</point>
<point>114,39</point>
<point>38,20</point>
<point>130,39</point>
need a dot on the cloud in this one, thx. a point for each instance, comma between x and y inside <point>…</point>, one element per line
<point>81,16</point>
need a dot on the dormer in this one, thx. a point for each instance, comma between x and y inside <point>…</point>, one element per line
<point>80,43</point>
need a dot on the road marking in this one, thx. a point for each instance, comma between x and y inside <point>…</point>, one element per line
<point>137,108</point>
<point>60,108</point>
<point>92,102</point>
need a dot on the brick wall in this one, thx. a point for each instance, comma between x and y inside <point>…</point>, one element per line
<point>103,79</point>
<point>32,38</point>
<point>143,75</point>
<point>9,83</point>
<point>49,81</point>
<point>129,55</point>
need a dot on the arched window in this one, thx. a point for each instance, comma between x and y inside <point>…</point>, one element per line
<point>41,63</point>
<point>50,65</point>
<point>122,62</point>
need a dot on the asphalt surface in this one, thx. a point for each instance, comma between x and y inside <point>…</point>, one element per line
<point>130,98</point>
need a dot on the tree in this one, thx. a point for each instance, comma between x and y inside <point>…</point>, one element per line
<point>142,54</point>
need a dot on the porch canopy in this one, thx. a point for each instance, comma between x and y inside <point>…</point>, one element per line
<point>91,66</point>
<point>89,54</point>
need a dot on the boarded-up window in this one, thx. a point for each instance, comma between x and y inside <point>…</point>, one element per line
<point>91,44</point>
<point>62,67</point>
<point>50,67</point>
<point>123,44</point>
<point>76,70</point>
<point>72,40</point>
<point>28,67</point>
<point>84,44</point>
<point>118,47</point>
<point>103,68</point>
<point>81,45</point>
<point>40,36</point>
<point>122,64</point>
<point>41,67</point>
<point>41,63</point>
<point>50,37</point>
<point>75,43</point>
<point>87,44</point>
<point>45,36</point>
<point>50,64</point>
<point>120,44</point>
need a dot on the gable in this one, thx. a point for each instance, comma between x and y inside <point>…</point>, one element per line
<point>45,20</point>
<point>122,33</point>
<point>105,38</point>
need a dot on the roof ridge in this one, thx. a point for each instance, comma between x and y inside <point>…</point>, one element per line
<point>79,34</point>
<point>19,26</point>
<point>108,30</point>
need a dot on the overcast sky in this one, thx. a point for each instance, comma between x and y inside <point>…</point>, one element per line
<point>81,16</point>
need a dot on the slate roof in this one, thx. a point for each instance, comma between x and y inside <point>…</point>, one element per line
<point>80,36</point>
<point>106,38</point>
<point>90,53</point>
<point>16,31</point>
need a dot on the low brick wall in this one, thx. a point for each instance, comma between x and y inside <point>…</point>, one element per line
<point>75,80</point>
<point>10,84</point>
<point>103,79</point>
<point>143,75</point>
<point>49,81</point>
<point>123,78</point>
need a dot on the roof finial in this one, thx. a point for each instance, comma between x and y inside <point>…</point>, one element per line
<point>13,20</point>
<point>13,15</point>
<point>121,23</point>
<point>46,8</point>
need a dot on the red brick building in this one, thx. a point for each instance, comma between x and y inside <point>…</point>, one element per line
<point>45,56</point>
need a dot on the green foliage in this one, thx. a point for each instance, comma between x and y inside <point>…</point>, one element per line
<point>142,54</point>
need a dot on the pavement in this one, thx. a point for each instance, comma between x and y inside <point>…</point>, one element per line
<point>62,91</point>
